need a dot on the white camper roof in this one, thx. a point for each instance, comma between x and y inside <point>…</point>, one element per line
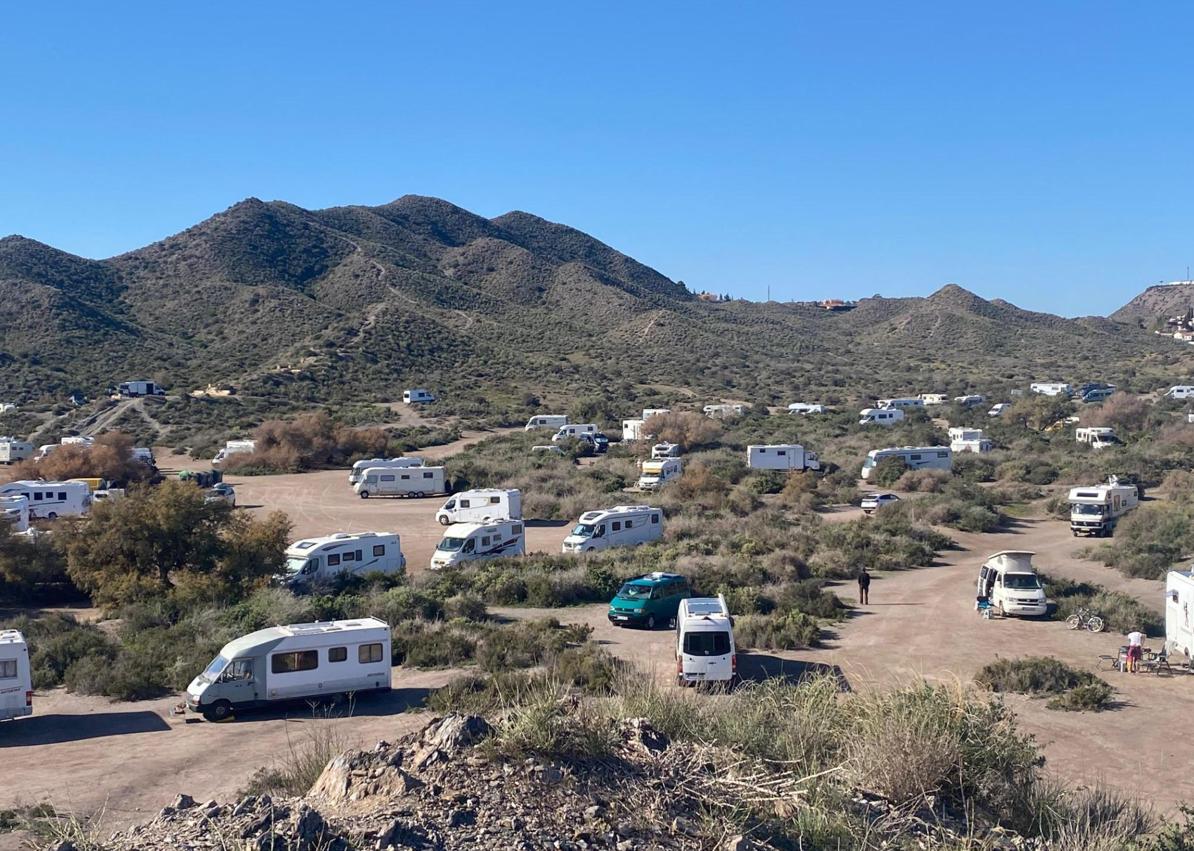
<point>276,633</point>
<point>605,513</point>
<point>307,544</point>
<point>1012,560</point>
<point>463,530</point>
<point>11,636</point>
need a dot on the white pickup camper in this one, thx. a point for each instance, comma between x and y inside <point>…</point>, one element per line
<point>417,396</point>
<point>235,447</point>
<point>414,482</point>
<point>358,469</point>
<point>968,440</point>
<point>481,506</point>
<point>290,663</point>
<point>1051,388</point>
<point>916,457</point>
<point>780,456</point>
<point>880,416</point>
<point>1008,580</point>
<point>1095,510</point>
<point>13,450</point>
<point>51,500</point>
<point>479,542</point>
<point>657,472</point>
<point>705,651</point>
<point>15,510</point>
<point>313,561</point>
<point>16,677</point>
<point>620,526</point>
<point>546,421</point>
<point>1097,437</point>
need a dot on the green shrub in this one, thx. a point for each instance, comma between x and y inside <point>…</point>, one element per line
<point>1087,697</point>
<point>1031,675</point>
<point>788,631</point>
<point>419,645</point>
<point>888,471</point>
<point>1120,612</point>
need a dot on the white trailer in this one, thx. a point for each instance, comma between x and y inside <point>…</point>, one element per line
<point>312,561</point>
<point>358,469</point>
<point>290,663</point>
<point>417,396</point>
<point>1096,510</point>
<point>16,677</point>
<point>880,416</point>
<point>412,481</point>
<point>15,510</point>
<point>13,450</point>
<point>1051,388</point>
<point>481,506</point>
<point>139,387</point>
<point>632,430</point>
<point>780,456</point>
<point>546,421</point>
<point>916,457</point>
<point>705,650</point>
<point>51,500</point>
<point>620,526</point>
<point>803,408</point>
<point>575,430</point>
<point>1179,613</point>
<point>1180,391</point>
<point>968,440</point>
<point>1097,437</point>
<point>235,447</point>
<point>479,542</point>
<point>902,404</point>
<point>655,473</point>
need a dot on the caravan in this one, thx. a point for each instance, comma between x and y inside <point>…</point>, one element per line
<point>313,561</point>
<point>319,661</point>
<point>916,457</point>
<point>358,469</point>
<point>705,651</point>
<point>417,396</point>
<point>481,506</point>
<point>13,450</point>
<point>15,510</point>
<point>1096,510</point>
<point>780,456</point>
<point>620,526</point>
<point>51,500</point>
<point>880,416</point>
<point>479,542</point>
<point>546,421</point>
<point>735,410</point>
<point>803,408</point>
<point>411,481</point>
<point>933,399</point>
<point>658,472</point>
<point>16,677</point>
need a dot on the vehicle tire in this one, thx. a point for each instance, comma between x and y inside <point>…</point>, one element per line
<point>1095,624</point>
<point>364,494</point>
<point>444,521</point>
<point>52,516</point>
<point>418,494</point>
<point>650,621</point>
<point>671,623</point>
<point>1073,622</point>
<point>221,710</point>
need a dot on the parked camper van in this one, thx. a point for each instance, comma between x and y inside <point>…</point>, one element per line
<point>1180,391</point>
<point>649,600</point>
<point>575,430</point>
<point>51,500</point>
<point>409,481</point>
<point>1096,510</point>
<point>15,511</point>
<point>481,506</point>
<point>140,387</point>
<point>1051,388</point>
<point>705,651</point>
<point>1097,437</point>
<point>724,410</point>
<point>144,454</point>
<point>880,416</point>
<point>13,450</point>
<point>1009,582</point>
<point>656,473</point>
<point>417,396</point>
<point>77,440</point>
<point>803,408</point>
<point>933,399</point>
<point>970,400</point>
<point>620,526</point>
<point>289,663</point>
<point>479,542</point>
<point>780,456</point>
<point>313,561</point>
<point>1179,613</point>
<point>16,677</point>
<point>358,469</point>
<point>999,409</point>
<point>1097,393</point>
<point>654,412</point>
<point>546,421</point>
<point>968,440</point>
<point>235,447</point>
<point>916,457</point>
<point>665,450</point>
<point>902,404</point>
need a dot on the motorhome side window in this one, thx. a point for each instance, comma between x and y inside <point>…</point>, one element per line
<point>379,550</point>
<point>485,541</point>
<point>940,454</point>
<point>37,496</point>
<point>428,475</point>
<point>300,660</point>
<point>516,530</point>
<point>617,524</point>
<point>781,452</point>
<point>8,669</point>
<point>367,653</point>
<point>494,500</point>
<point>62,496</point>
<point>915,456</point>
<point>389,478</point>
<point>333,559</point>
<point>654,518</point>
<point>337,654</point>
<point>464,503</point>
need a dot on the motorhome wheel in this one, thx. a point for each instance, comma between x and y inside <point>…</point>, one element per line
<point>364,494</point>
<point>444,521</point>
<point>418,494</point>
<point>218,711</point>
<point>52,516</point>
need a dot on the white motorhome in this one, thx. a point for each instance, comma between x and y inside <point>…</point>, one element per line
<point>409,481</point>
<point>15,510</point>
<point>632,430</point>
<point>805,408</point>
<point>999,409</point>
<point>780,456</point>
<point>1008,580</point>
<point>970,400</point>
<point>289,663</point>
<point>16,677</point>
<point>313,561</point>
<point>1180,391</point>
<point>933,398</point>
<point>44,451</point>
<point>658,472</point>
<point>77,440</point>
<point>140,387</point>
<point>968,440</point>
<point>1179,613</point>
<point>235,447</point>
<point>916,457</point>
<point>1095,510</point>
<point>901,404</point>
<point>1097,437</point>
<point>546,421</point>
<point>705,650</point>
<point>665,450</point>
<point>358,469</point>
<point>724,410</point>
<point>13,450</point>
<point>654,412</point>
<point>479,542</point>
<point>620,526</point>
<point>481,506</point>
<point>417,396</point>
<point>51,500</point>
<point>1051,388</point>
<point>880,416</point>
<point>576,430</point>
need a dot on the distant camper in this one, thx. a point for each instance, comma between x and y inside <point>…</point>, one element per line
<point>413,482</point>
<point>656,473</point>
<point>140,387</point>
<point>970,400</point>
<point>417,396</point>
<point>620,526</point>
<point>880,416</point>
<point>575,430</point>
<point>481,506</point>
<point>479,542</point>
<point>13,450</point>
<point>735,410</point>
<point>235,447</point>
<point>632,430</point>
<point>781,456</point>
<point>546,421</point>
<point>358,469</point>
<point>51,500</point>
<point>291,663</point>
<point>666,450</point>
<point>1180,391</point>
<point>16,676</point>
<point>968,440</point>
<point>933,398</point>
<point>15,510</point>
<point>803,408</point>
<point>312,561</point>
<point>1051,388</point>
<point>916,457</point>
<point>902,404</point>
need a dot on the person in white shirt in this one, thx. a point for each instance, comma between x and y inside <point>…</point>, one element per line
<point>1135,649</point>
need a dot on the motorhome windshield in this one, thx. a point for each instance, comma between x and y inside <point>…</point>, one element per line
<point>451,545</point>
<point>214,669</point>
<point>706,643</point>
<point>296,566</point>
<point>1021,581</point>
<point>583,530</point>
<point>635,592</point>
<point>1087,510</point>
<point>869,462</point>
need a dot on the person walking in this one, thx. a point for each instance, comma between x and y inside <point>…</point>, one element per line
<point>864,588</point>
<point>1135,649</point>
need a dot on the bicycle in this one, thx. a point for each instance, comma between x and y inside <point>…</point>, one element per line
<point>1085,619</point>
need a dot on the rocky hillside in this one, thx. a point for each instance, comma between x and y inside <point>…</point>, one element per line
<point>1157,304</point>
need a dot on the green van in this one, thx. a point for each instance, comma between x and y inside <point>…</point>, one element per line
<point>649,601</point>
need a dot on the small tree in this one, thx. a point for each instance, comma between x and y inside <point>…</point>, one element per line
<point>685,428</point>
<point>888,471</point>
<point>27,563</point>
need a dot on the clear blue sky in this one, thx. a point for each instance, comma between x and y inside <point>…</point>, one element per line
<point>1039,152</point>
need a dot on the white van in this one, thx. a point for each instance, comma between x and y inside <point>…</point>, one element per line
<point>417,396</point>
<point>15,510</point>
<point>805,408</point>
<point>577,430</point>
<point>479,542</point>
<point>312,561</point>
<point>705,651</point>
<point>546,421</point>
<point>16,677</point>
<point>234,447</point>
<point>358,469</point>
<point>656,473</point>
<point>916,457</point>
<point>1180,391</point>
<point>13,450</point>
<point>289,663</point>
<point>620,526</point>
<point>51,500</point>
<point>1008,580</point>
<point>411,481</point>
<point>880,416</point>
<point>481,506</point>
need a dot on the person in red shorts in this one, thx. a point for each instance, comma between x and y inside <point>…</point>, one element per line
<point>1135,649</point>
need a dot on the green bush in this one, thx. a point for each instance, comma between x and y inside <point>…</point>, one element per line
<point>1088,697</point>
<point>788,631</point>
<point>887,472</point>
<point>1120,612</point>
<point>1072,689</point>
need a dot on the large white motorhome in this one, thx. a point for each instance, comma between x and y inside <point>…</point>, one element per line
<point>16,677</point>
<point>1095,510</point>
<point>481,506</point>
<point>313,561</point>
<point>632,430</point>
<point>933,398</point>
<point>916,457</point>
<point>1180,391</point>
<point>1051,388</point>
<point>880,416</point>
<point>705,650</point>
<point>576,430</point>
<point>140,387</point>
<point>658,472</point>
<point>479,542</point>
<point>235,447</point>
<point>1009,582</point>
<point>1179,613</point>
<point>1100,437</point>
<point>77,440</point>
<point>805,408</point>
<point>417,396</point>
<point>358,469</point>
<point>15,510</point>
<point>51,500</point>
<point>725,410</point>
<point>620,526</point>
<point>968,440</point>
<point>901,404</point>
<point>546,421</point>
<point>666,450</point>
<point>13,450</point>
<point>780,456</point>
<point>410,481</point>
<point>289,663</point>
